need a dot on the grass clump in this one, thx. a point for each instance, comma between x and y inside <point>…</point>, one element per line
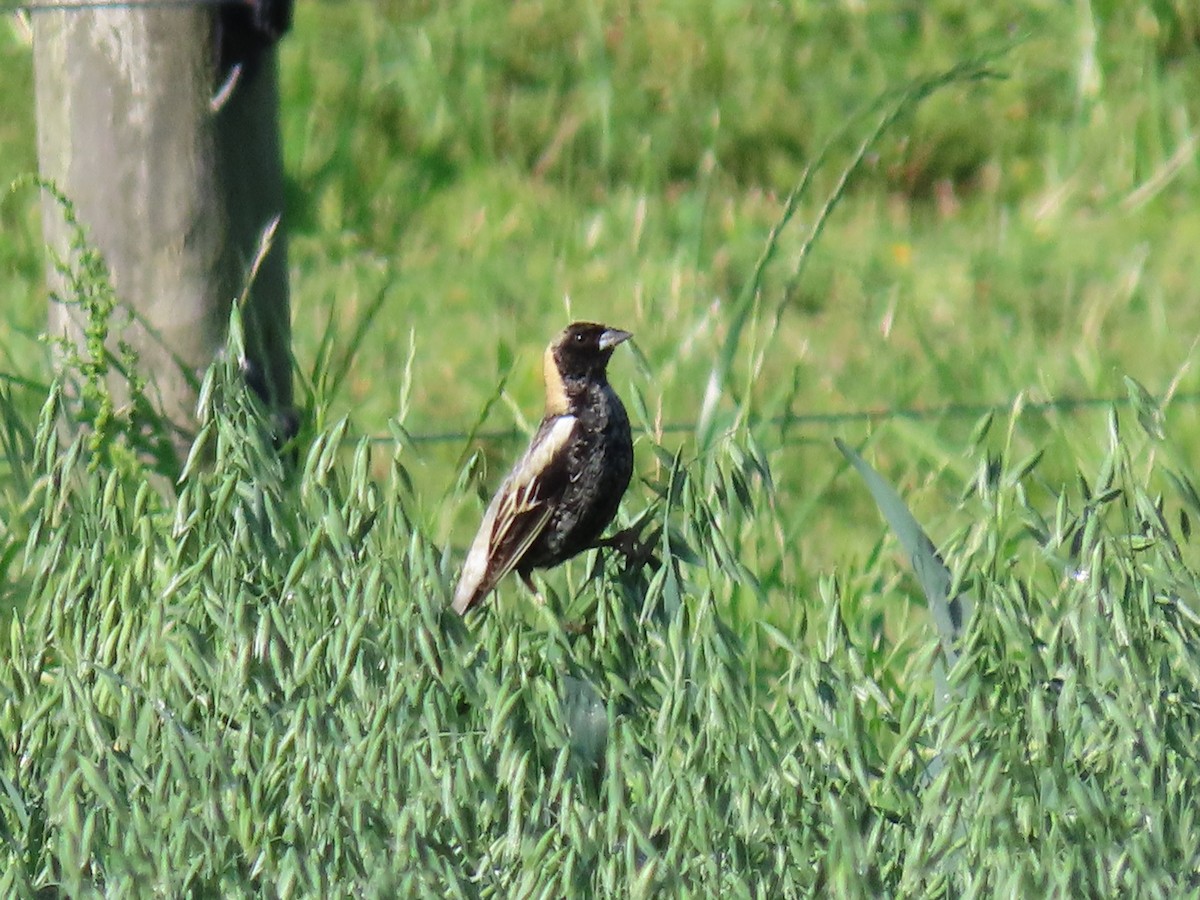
<point>256,687</point>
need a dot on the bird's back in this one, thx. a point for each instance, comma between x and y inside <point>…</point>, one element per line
<point>599,466</point>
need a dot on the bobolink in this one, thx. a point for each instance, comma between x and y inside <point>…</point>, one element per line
<point>564,490</point>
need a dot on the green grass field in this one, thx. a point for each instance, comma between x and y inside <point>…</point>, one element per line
<point>250,686</point>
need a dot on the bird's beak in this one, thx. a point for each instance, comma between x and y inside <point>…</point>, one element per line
<point>612,337</point>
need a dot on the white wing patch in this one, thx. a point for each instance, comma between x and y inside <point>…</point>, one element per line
<point>474,570</point>
<point>539,455</point>
<point>517,497</point>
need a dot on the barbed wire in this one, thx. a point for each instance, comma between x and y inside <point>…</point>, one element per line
<point>1067,405</point>
<point>966,410</point>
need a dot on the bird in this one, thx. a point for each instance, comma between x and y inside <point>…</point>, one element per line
<point>565,488</point>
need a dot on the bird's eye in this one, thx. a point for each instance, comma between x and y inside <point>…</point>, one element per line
<point>579,337</point>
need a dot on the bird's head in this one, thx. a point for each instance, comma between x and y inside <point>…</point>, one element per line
<point>579,354</point>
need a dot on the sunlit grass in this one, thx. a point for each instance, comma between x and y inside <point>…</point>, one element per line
<point>251,685</point>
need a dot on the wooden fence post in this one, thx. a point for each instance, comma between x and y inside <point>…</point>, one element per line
<point>173,188</point>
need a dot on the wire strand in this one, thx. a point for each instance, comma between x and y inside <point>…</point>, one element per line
<point>800,420</point>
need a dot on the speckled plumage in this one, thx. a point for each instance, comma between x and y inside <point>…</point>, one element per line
<point>565,489</point>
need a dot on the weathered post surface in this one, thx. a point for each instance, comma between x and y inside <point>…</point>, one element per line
<point>175,182</point>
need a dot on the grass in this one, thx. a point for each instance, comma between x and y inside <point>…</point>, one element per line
<point>249,686</point>
<point>1028,273</point>
<point>257,687</point>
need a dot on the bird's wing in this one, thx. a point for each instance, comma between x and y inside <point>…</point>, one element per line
<point>517,514</point>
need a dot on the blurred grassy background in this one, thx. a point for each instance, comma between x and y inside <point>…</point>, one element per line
<point>486,171</point>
